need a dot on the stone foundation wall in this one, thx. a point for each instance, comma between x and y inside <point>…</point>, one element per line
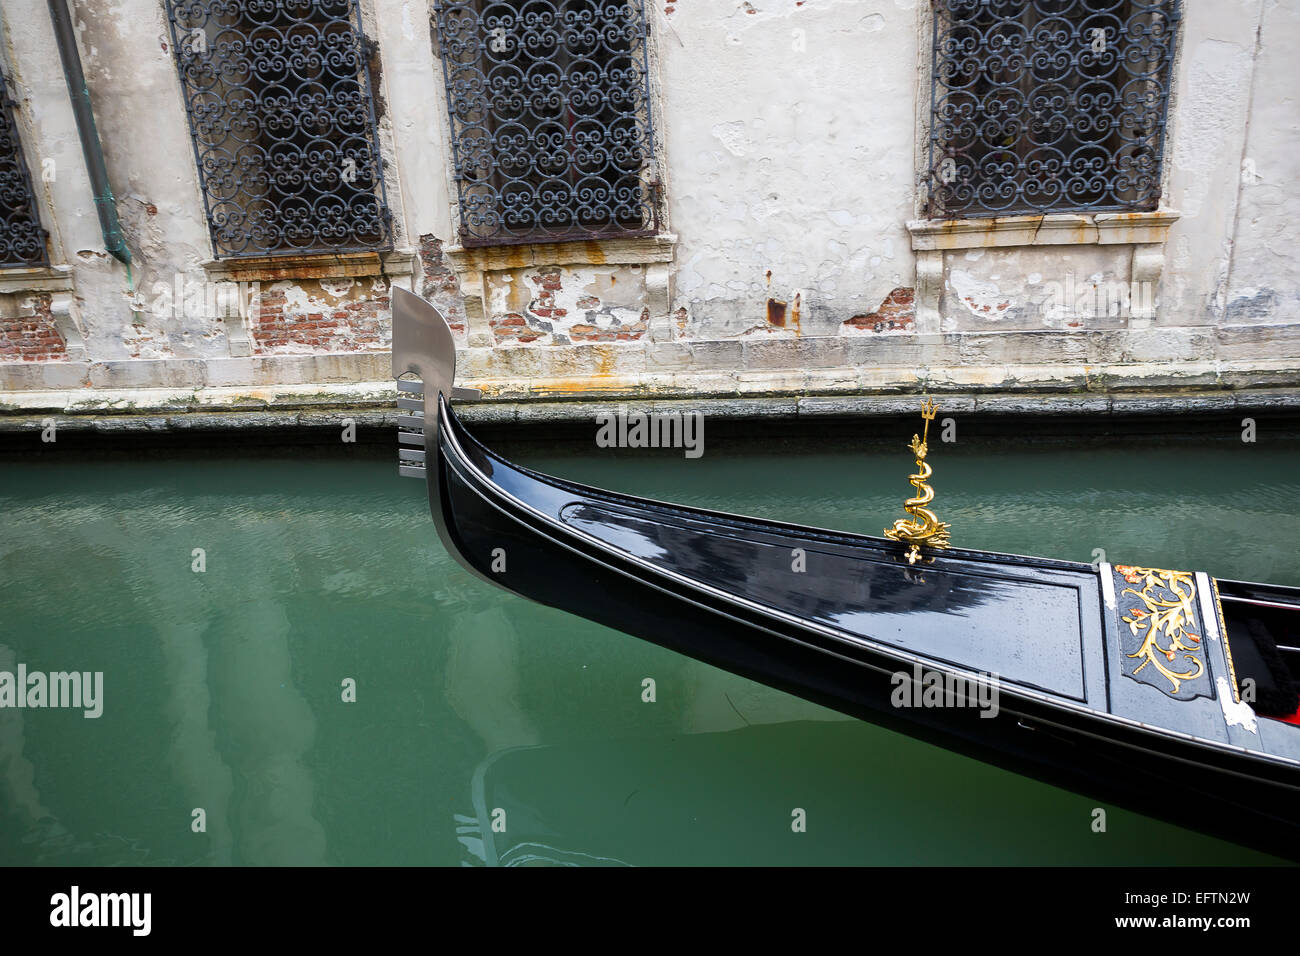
<point>793,258</point>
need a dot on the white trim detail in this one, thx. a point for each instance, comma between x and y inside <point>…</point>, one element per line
<point>1107,584</point>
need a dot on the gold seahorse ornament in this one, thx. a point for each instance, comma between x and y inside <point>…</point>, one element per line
<point>923,528</point>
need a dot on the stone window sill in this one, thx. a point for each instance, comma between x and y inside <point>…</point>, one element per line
<point>55,281</point>
<point>476,265</point>
<point>1102,228</point>
<point>35,279</point>
<point>398,266</point>
<point>644,249</point>
<point>1145,233</point>
<point>396,263</point>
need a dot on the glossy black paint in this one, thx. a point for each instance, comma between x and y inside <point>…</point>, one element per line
<point>721,588</point>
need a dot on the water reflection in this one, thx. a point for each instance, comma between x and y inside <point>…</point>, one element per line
<point>222,688</point>
<point>17,774</point>
<point>270,728</point>
<point>482,653</point>
<point>735,797</point>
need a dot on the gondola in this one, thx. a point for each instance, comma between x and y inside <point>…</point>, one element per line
<point>1171,693</point>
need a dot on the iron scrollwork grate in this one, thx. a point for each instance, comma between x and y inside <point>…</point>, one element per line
<point>1048,105</point>
<point>282,117</point>
<point>552,135</point>
<point>22,239</point>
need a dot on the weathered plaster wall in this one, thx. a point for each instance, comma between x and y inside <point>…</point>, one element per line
<point>167,305</point>
<point>1264,277</point>
<point>126,55</point>
<point>556,305</point>
<point>788,134</point>
<point>789,137</point>
<point>1055,287</point>
<point>1208,119</point>
<point>415,119</point>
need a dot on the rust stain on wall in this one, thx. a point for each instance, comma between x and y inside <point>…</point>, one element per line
<point>681,317</point>
<point>584,386</point>
<point>776,313</point>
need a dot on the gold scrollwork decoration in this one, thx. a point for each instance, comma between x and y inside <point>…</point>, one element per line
<point>1161,617</point>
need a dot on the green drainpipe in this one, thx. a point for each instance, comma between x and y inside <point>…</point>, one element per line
<point>65,36</point>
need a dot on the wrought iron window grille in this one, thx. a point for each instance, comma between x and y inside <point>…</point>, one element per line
<point>1048,105</point>
<point>552,134</point>
<point>282,117</point>
<point>22,238</point>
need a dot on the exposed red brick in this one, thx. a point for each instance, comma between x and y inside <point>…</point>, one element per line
<point>582,332</point>
<point>896,314</point>
<point>513,327</point>
<point>550,280</point>
<point>439,283</point>
<point>33,338</point>
<point>353,326</point>
<point>543,306</point>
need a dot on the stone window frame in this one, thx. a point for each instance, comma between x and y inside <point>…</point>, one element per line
<point>654,254</point>
<point>53,277</point>
<point>652,206</point>
<point>396,264</point>
<point>309,260</point>
<point>1145,232</point>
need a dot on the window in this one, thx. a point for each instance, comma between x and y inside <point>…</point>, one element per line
<point>22,240</point>
<point>550,116</point>
<point>1048,105</point>
<point>283,121</point>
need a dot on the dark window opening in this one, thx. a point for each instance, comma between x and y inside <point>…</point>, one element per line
<point>550,118</point>
<point>282,117</point>
<point>1049,105</point>
<point>22,240</point>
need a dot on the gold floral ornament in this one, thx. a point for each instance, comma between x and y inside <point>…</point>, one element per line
<point>1163,618</point>
<point>923,528</point>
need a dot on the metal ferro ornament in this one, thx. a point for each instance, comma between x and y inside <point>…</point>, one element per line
<point>923,528</point>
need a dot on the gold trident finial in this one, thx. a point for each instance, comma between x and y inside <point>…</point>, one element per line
<point>928,411</point>
<point>924,527</point>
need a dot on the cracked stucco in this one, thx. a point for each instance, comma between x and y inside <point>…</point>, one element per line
<point>788,137</point>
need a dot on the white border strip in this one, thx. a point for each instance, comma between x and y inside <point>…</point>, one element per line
<point>1107,584</point>
<point>1236,713</point>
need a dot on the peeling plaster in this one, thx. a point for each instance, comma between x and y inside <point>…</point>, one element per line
<point>981,297</point>
<point>789,198</point>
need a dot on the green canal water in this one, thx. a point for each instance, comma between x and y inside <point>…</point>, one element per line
<point>486,729</point>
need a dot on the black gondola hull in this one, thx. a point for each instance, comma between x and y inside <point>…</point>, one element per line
<point>1071,709</point>
<point>1213,792</point>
